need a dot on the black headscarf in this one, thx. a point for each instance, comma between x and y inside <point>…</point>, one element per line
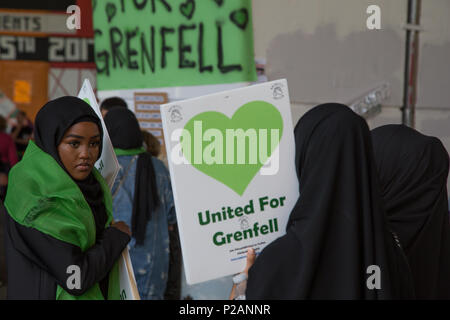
<point>52,122</point>
<point>413,170</point>
<point>125,133</point>
<point>337,228</point>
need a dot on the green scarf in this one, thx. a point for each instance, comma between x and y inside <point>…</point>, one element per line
<point>41,195</point>
<point>128,152</point>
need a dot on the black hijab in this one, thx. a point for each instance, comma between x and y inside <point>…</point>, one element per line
<point>337,228</point>
<point>413,170</point>
<point>125,133</point>
<point>52,122</point>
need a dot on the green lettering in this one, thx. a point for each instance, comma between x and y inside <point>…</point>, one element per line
<point>200,220</point>
<point>221,240</point>
<point>248,231</point>
<point>264,229</point>
<point>263,202</point>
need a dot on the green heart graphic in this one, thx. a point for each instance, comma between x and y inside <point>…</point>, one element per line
<point>233,151</point>
<point>188,8</point>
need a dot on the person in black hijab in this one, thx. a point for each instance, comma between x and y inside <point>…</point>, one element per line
<point>126,138</point>
<point>337,233</point>
<point>54,119</point>
<point>142,198</point>
<point>110,103</point>
<point>413,170</point>
<point>40,240</point>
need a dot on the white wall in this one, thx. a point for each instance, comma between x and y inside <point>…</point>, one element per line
<point>326,52</point>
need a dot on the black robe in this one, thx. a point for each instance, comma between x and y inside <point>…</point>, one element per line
<point>413,170</point>
<point>337,230</point>
<point>37,263</point>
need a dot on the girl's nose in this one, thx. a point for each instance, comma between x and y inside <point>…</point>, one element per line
<point>84,152</point>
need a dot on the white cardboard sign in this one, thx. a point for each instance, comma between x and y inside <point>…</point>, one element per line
<point>108,166</point>
<point>231,160</point>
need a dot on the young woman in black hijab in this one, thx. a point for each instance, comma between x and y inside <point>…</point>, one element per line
<point>413,170</point>
<point>337,236</point>
<point>59,211</point>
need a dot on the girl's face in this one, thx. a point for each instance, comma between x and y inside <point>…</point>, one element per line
<point>79,149</point>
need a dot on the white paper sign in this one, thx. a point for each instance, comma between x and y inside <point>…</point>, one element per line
<point>233,174</point>
<point>108,166</point>
<point>128,288</point>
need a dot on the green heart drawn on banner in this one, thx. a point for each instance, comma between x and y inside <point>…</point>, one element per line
<point>233,151</point>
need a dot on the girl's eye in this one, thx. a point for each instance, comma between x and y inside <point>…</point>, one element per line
<point>95,144</point>
<point>74,143</point>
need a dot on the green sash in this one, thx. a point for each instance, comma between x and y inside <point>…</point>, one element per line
<point>128,152</point>
<point>41,195</point>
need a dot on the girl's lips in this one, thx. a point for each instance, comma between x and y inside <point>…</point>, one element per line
<point>83,167</point>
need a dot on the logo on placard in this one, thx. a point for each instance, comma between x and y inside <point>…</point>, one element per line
<point>243,221</point>
<point>175,114</point>
<point>277,91</point>
<point>232,150</point>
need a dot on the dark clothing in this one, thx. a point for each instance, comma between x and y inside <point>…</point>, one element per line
<point>24,133</point>
<point>8,153</point>
<point>413,170</point>
<point>38,262</point>
<point>337,230</point>
<point>3,277</point>
<point>173,289</point>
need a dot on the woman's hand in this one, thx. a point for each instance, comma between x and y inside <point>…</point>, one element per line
<point>251,256</point>
<point>122,226</point>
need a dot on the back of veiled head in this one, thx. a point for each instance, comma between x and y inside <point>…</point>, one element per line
<point>123,129</point>
<point>333,153</point>
<point>56,117</point>
<point>413,170</point>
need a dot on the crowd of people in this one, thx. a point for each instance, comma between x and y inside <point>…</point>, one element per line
<point>367,199</point>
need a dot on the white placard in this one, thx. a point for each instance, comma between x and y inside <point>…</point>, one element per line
<point>128,288</point>
<point>227,202</point>
<point>108,166</point>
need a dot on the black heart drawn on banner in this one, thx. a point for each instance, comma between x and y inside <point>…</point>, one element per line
<point>219,2</point>
<point>110,11</point>
<point>240,18</point>
<point>187,9</point>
